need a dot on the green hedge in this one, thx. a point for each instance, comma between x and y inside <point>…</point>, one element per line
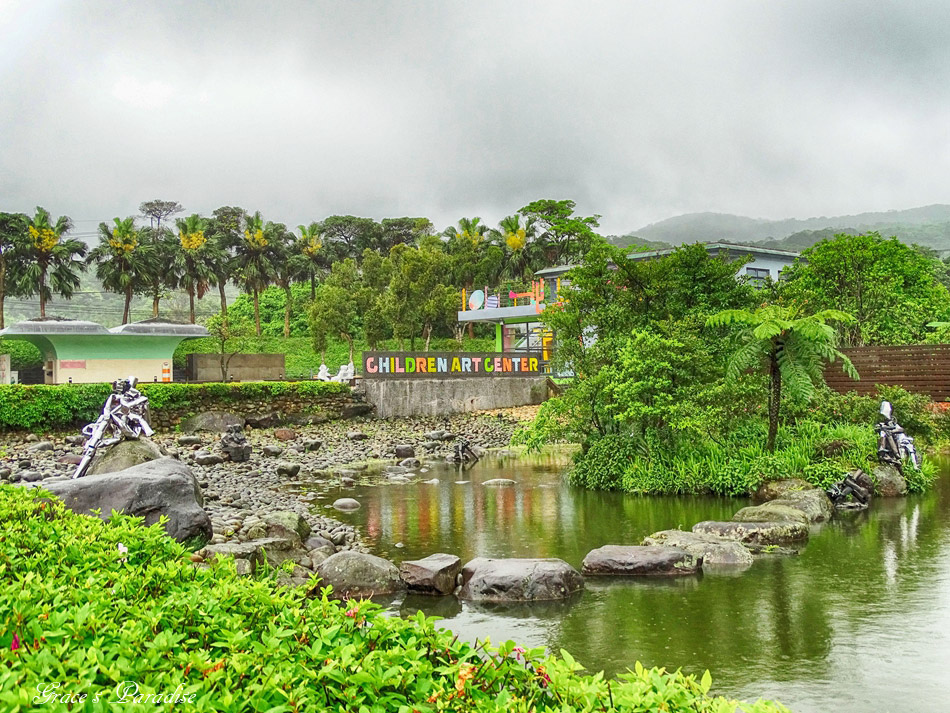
<point>64,405</point>
<point>111,611</point>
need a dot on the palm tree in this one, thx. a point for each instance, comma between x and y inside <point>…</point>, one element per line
<point>194,259</point>
<point>517,238</point>
<point>290,266</point>
<point>224,231</point>
<point>54,262</point>
<point>471,228</point>
<point>120,260</point>
<point>791,346</point>
<point>13,242</point>
<point>309,245</point>
<point>254,260</point>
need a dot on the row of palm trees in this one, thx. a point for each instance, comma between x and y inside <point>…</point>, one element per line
<point>38,258</point>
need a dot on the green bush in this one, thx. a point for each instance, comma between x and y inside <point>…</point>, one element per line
<point>603,465</point>
<point>64,405</point>
<point>114,610</point>
<point>23,355</point>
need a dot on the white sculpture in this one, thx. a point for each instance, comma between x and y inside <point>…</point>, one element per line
<point>324,373</point>
<point>347,372</point>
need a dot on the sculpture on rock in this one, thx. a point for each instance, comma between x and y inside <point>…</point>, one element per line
<point>234,444</point>
<point>125,414</point>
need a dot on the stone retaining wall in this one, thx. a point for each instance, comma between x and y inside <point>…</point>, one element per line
<point>394,398</point>
<point>283,408</point>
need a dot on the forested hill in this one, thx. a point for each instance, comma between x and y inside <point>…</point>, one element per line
<point>928,225</point>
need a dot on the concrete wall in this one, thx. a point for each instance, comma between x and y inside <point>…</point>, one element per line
<point>440,397</point>
<point>242,367</point>
<point>96,371</point>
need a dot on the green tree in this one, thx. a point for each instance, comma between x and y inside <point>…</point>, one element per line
<point>518,238</point>
<point>310,246</point>
<point>290,266</point>
<point>564,237</point>
<point>254,260</point>
<point>194,260</point>
<point>892,289</point>
<point>401,231</point>
<point>224,232</point>
<point>790,346</point>
<point>54,262</point>
<point>120,260</point>
<point>223,332</point>
<point>348,235</point>
<point>13,241</point>
<point>333,314</point>
<point>160,246</point>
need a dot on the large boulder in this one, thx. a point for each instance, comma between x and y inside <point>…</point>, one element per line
<point>714,551</point>
<point>212,421</point>
<point>518,580</point>
<point>772,511</point>
<point>356,575</point>
<point>888,482</point>
<point>641,561</point>
<point>435,574</point>
<point>286,524</point>
<point>799,494</point>
<point>122,455</point>
<point>756,534</point>
<point>163,487</point>
<point>780,489</point>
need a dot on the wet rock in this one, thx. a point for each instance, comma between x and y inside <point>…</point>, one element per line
<point>499,482</point>
<point>346,504</point>
<point>776,489</point>
<point>641,560</point>
<point>40,446</point>
<point>122,455</point>
<point>760,534</point>
<point>355,575</point>
<point>396,469</point>
<point>714,551</point>
<point>410,463</point>
<point>404,451</point>
<point>211,421</point>
<point>435,574</point>
<point>151,490</point>
<point>888,482</point>
<point>272,450</point>
<point>797,493</point>
<point>206,458</point>
<point>772,511</point>
<point>285,434</point>
<point>288,469</point>
<point>518,580</point>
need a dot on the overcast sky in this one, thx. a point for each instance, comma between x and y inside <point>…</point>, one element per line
<point>636,110</point>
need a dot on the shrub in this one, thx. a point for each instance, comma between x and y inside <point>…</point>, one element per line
<point>65,405</point>
<point>603,465</point>
<point>111,609</point>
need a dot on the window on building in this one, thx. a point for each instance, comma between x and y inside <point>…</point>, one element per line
<point>757,276</point>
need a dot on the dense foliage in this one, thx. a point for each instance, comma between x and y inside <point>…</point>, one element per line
<point>115,609</point>
<point>44,407</point>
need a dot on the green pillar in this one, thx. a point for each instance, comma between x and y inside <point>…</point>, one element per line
<point>498,342</point>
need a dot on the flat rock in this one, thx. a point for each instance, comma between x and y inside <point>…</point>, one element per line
<point>641,561</point>
<point>715,551</point>
<point>205,458</point>
<point>888,482</point>
<point>435,574</point>
<point>41,446</point>
<point>272,450</point>
<point>404,450</point>
<point>357,575</point>
<point>775,489</point>
<point>410,463</point>
<point>518,580</point>
<point>160,487</point>
<point>356,436</point>
<point>771,511</point>
<point>286,524</point>
<point>189,440</point>
<point>498,482</point>
<point>211,421</point>
<point>760,534</point>
<point>797,493</point>
<point>346,504</point>
<point>122,455</point>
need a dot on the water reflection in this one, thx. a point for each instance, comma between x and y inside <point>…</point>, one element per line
<point>859,621</point>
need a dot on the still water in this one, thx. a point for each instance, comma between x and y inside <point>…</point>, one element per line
<point>860,621</point>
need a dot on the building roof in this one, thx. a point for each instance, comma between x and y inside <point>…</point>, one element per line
<point>791,255</point>
<point>50,326</point>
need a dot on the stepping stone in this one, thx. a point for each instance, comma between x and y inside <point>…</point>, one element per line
<point>756,534</point>
<point>641,561</point>
<point>435,574</point>
<point>518,580</point>
<point>714,551</point>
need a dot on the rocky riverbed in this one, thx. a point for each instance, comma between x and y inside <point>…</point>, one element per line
<point>242,497</point>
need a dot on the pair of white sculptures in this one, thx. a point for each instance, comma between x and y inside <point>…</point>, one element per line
<point>347,372</point>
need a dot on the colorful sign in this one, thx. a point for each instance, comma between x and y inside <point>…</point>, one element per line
<point>449,365</point>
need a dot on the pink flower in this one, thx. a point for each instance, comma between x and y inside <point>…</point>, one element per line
<point>352,613</point>
<point>517,651</point>
<point>15,644</point>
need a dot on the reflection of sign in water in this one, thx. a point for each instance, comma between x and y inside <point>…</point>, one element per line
<point>422,365</point>
<point>476,300</point>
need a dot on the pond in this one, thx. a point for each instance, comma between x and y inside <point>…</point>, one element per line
<point>859,621</point>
